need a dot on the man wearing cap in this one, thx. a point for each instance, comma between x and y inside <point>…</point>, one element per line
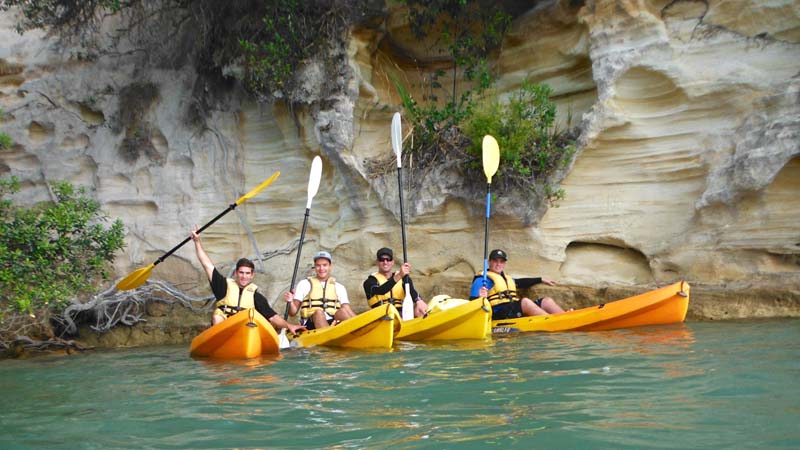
<point>501,291</point>
<point>320,299</point>
<point>237,293</point>
<point>387,286</point>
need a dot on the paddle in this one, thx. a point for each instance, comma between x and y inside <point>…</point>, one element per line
<point>313,185</point>
<point>491,160</point>
<point>397,145</point>
<point>138,277</point>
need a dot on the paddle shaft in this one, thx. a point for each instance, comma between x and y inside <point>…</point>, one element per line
<point>402,221</point>
<point>486,232</point>
<point>297,261</point>
<point>174,249</point>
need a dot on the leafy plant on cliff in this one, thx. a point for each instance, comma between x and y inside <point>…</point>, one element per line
<point>269,39</point>
<point>466,32</point>
<point>449,121</point>
<point>53,251</point>
<point>5,141</point>
<point>60,13</point>
<point>531,145</point>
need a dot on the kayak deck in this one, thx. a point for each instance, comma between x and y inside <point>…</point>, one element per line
<point>244,335</point>
<point>374,328</point>
<point>449,319</point>
<point>668,304</point>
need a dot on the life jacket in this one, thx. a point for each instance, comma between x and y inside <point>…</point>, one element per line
<point>395,296</point>
<point>234,301</point>
<point>504,289</point>
<point>320,297</point>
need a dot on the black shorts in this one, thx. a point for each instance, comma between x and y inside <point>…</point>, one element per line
<point>510,310</point>
<point>309,323</point>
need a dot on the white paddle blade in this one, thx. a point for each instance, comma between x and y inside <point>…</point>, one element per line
<point>313,179</point>
<point>408,305</point>
<point>491,157</point>
<point>283,341</point>
<point>397,139</point>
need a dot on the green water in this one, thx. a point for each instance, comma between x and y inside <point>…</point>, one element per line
<point>696,385</point>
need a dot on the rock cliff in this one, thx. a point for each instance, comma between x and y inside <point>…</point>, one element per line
<point>688,165</point>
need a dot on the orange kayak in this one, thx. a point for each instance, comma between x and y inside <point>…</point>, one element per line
<point>244,335</point>
<point>661,306</point>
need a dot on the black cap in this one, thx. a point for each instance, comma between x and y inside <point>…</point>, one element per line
<point>385,251</point>
<point>497,253</point>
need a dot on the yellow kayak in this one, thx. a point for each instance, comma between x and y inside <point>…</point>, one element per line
<point>244,335</point>
<point>449,319</point>
<point>372,329</point>
<point>661,306</point>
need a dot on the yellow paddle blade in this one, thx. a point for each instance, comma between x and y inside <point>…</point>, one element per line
<point>258,189</point>
<point>491,157</point>
<point>135,278</point>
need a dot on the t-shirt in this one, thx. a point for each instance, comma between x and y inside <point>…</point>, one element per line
<point>219,286</point>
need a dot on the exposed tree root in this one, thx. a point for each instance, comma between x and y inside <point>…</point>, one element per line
<point>112,307</point>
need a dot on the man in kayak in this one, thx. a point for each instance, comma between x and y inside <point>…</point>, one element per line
<point>237,293</point>
<point>320,299</point>
<point>501,291</point>
<point>387,286</point>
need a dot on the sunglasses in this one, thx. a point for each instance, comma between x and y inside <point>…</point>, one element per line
<point>384,259</point>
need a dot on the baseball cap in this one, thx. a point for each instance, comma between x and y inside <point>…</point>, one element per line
<point>385,251</point>
<point>497,253</point>
<point>323,254</point>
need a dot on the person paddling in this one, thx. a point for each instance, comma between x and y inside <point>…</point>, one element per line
<point>237,293</point>
<point>320,299</point>
<point>386,286</point>
<point>501,291</point>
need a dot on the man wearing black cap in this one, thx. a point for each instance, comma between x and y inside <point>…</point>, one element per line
<point>386,286</point>
<point>501,291</point>
<point>320,299</point>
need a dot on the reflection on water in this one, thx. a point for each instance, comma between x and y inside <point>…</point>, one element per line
<point>697,385</point>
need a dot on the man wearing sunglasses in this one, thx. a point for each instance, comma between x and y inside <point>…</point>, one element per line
<point>386,286</point>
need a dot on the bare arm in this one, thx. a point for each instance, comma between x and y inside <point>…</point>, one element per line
<point>202,256</point>
<point>278,322</point>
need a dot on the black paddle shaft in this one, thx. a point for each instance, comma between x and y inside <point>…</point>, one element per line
<point>297,261</point>
<point>174,249</point>
<point>402,218</point>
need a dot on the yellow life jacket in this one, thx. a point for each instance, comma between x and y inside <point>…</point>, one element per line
<point>504,289</point>
<point>320,297</point>
<point>396,295</point>
<point>234,302</point>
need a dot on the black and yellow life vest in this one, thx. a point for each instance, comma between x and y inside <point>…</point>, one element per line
<point>396,295</point>
<point>234,301</point>
<point>320,297</point>
<point>504,289</point>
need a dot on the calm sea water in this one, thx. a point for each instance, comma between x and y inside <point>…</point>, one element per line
<point>695,385</point>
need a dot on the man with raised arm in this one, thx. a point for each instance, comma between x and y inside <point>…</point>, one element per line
<point>237,293</point>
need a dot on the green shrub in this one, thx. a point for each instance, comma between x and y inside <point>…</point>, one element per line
<point>466,34</point>
<point>5,141</point>
<point>53,251</point>
<point>283,41</point>
<point>531,146</point>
